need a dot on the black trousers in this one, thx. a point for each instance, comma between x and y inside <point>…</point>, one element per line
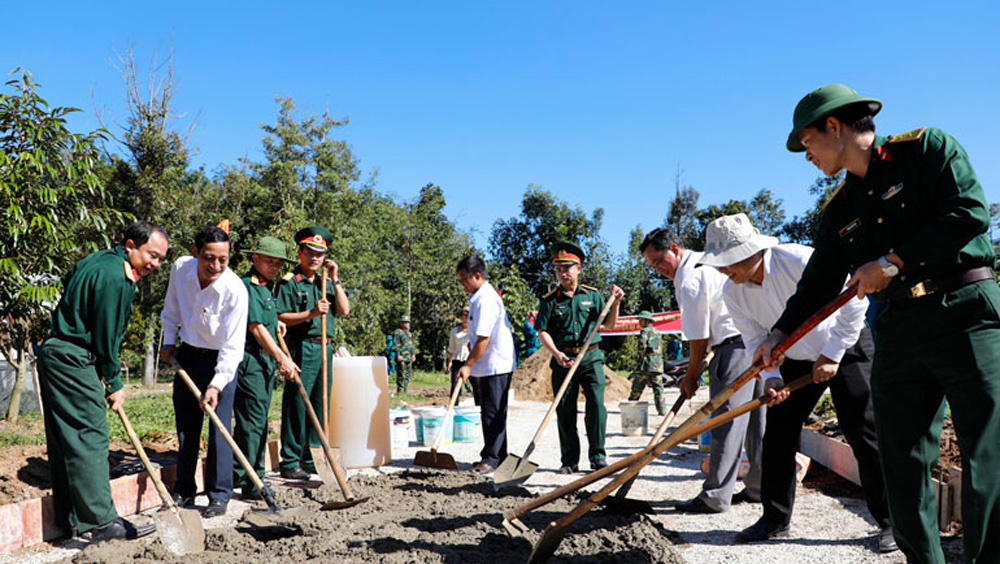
<point>455,366</point>
<point>851,393</point>
<point>491,395</point>
<point>200,366</point>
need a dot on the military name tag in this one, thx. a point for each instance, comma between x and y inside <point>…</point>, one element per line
<point>586,303</point>
<point>847,229</point>
<point>892,191</point>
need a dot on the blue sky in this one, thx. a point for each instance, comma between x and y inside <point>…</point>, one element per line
<point>598,102</point>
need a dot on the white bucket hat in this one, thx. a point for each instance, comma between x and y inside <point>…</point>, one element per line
<point>732,238</point>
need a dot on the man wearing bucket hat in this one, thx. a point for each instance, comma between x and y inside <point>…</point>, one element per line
<point>255,375</point>
<point>565,317</point>
<point>402,345</point>
<point>762,276</point>
<point>650,370</point>
<point>301,307</point>
<point>910,221</point>
<point>707,324</point>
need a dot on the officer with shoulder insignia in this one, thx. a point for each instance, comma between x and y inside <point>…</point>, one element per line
<point>255,375</point>
<point>78,372</point>
<point>650,370</point>
<point>566,316</point>
<point>911,222</point>
<point>301,307</point>
<point>405,352</point>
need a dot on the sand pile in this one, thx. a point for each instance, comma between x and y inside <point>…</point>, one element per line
<point>532,381</point>
<point>414,516</point>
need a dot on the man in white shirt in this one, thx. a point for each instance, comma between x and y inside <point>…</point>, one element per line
<point>706,323</point>
<point>208,302</point>
<point>491,360</point>
<point>838,353</point>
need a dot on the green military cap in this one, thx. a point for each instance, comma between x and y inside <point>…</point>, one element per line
<point>270,247</point>
<point>314,237</point>
<point>644,314</point>
<point>821,102</point>
<point>565,252</point>
<point>404,318</point>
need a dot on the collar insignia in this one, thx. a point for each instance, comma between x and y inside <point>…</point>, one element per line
<point>131,273</point>
<point>892,191</point>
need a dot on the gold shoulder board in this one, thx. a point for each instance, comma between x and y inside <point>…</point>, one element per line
<point>833,195</point>
<point>288,276</point>
<point>589,288</point>
<point>911,135</point>
<point>551,292</point>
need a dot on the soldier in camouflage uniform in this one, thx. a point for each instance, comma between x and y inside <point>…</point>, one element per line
<point>402,345</point>
<point>650,369</point>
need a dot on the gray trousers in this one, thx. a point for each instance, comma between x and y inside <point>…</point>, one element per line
<point>731,360</point>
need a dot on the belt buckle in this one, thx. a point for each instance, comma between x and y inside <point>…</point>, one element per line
<point>919,290</point>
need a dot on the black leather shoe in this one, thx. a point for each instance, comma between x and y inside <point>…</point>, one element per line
<point>886,541</point>
<point>485,468</point>
<point>696,505</point>
<point>743,497</point>
<point>182,501</point>
<point>120,529</point>
<point>762,530</point>
<point>597,465</point>
<point>294,474</point>
<point>215,508</point>
<point>568,469</point>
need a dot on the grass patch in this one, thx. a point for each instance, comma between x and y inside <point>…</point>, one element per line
<point>422,383</point>
<point>29,430</point>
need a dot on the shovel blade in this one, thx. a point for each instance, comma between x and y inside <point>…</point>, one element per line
<point>547,544</point>
<point>322,465</point>
<point>263,518</point>
<point>181,531</point>
<point>333,505</point>
<point>513,471</point>
<point>433,459</point>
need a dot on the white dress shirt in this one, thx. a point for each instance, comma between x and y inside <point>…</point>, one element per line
<point>699,295</point>
<point>211,318</point>
<point>756,308</point>
<point>488,318</point>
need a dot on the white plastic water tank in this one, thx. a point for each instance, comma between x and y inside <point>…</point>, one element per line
<point>359,411</point>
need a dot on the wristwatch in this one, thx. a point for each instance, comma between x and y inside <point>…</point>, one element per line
<point>888,269</point>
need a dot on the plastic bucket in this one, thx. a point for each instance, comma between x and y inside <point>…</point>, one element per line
<point>467,423</point>
<point>432,421</point>
<point>399,421</point>
<point>635,417</point>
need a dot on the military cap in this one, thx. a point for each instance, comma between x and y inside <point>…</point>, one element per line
<point>565,252</point>
<point>404,318</point>
<point>644,314</point>
<point>270,247</point>
<point>314,237</point>
<point>820,103</point>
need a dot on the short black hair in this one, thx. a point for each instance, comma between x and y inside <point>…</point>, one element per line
<point>660,238</point>
<point>210,234</point>
<point>859,116</point>
<point>140,232</point>
<point>473,265</point>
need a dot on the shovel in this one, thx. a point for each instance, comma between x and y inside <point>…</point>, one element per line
<point>180,529</point>
<point>554,533</point>
<point>432,458</point>
<point>515,470</point>
<point>330,471</point>
<point>265,491</point>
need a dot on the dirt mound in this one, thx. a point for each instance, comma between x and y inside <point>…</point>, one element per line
<point>532,381</point>
<point>413,516</point>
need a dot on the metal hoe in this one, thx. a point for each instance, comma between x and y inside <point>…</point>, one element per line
<point>554,533</point>
<point>181,531</point>
<point>265,490</point>
<point>515,470</point>
<point>433,458</point>
<point>338,473</point>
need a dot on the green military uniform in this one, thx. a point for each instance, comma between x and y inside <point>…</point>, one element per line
<point>255,375</point>
<point>921,200</point>
<point>405,350</point>
<point>568,320</point>
<point>78,368</point>
<point>650,369</point>
<point>296,293</point>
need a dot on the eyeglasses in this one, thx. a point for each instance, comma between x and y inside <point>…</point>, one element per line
<point>465,314</point>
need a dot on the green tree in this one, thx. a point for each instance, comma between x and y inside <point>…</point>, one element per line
<point>682,216</point>
<point>56,210</point>
<point>764,211</point>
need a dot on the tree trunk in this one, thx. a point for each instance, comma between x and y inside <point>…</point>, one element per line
<point>149,360</point>
<point>14,409</point>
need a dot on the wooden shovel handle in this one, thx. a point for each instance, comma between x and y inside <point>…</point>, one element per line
<point>324,364</point>
<point>157,482</point>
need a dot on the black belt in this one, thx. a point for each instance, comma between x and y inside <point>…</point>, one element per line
<point>946,283</point>
<point>315,339</point>
<point>576,350</point>
<point>191,349</point>
<point>734,340</point>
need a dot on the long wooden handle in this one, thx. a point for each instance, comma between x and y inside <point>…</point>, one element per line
<point>569,375</point>
<point>251,473</point>
<point>451,407</point>
<point>314,419</point>
<point>677,405</point>
<point>157,482</point>
<point>325,366</point>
